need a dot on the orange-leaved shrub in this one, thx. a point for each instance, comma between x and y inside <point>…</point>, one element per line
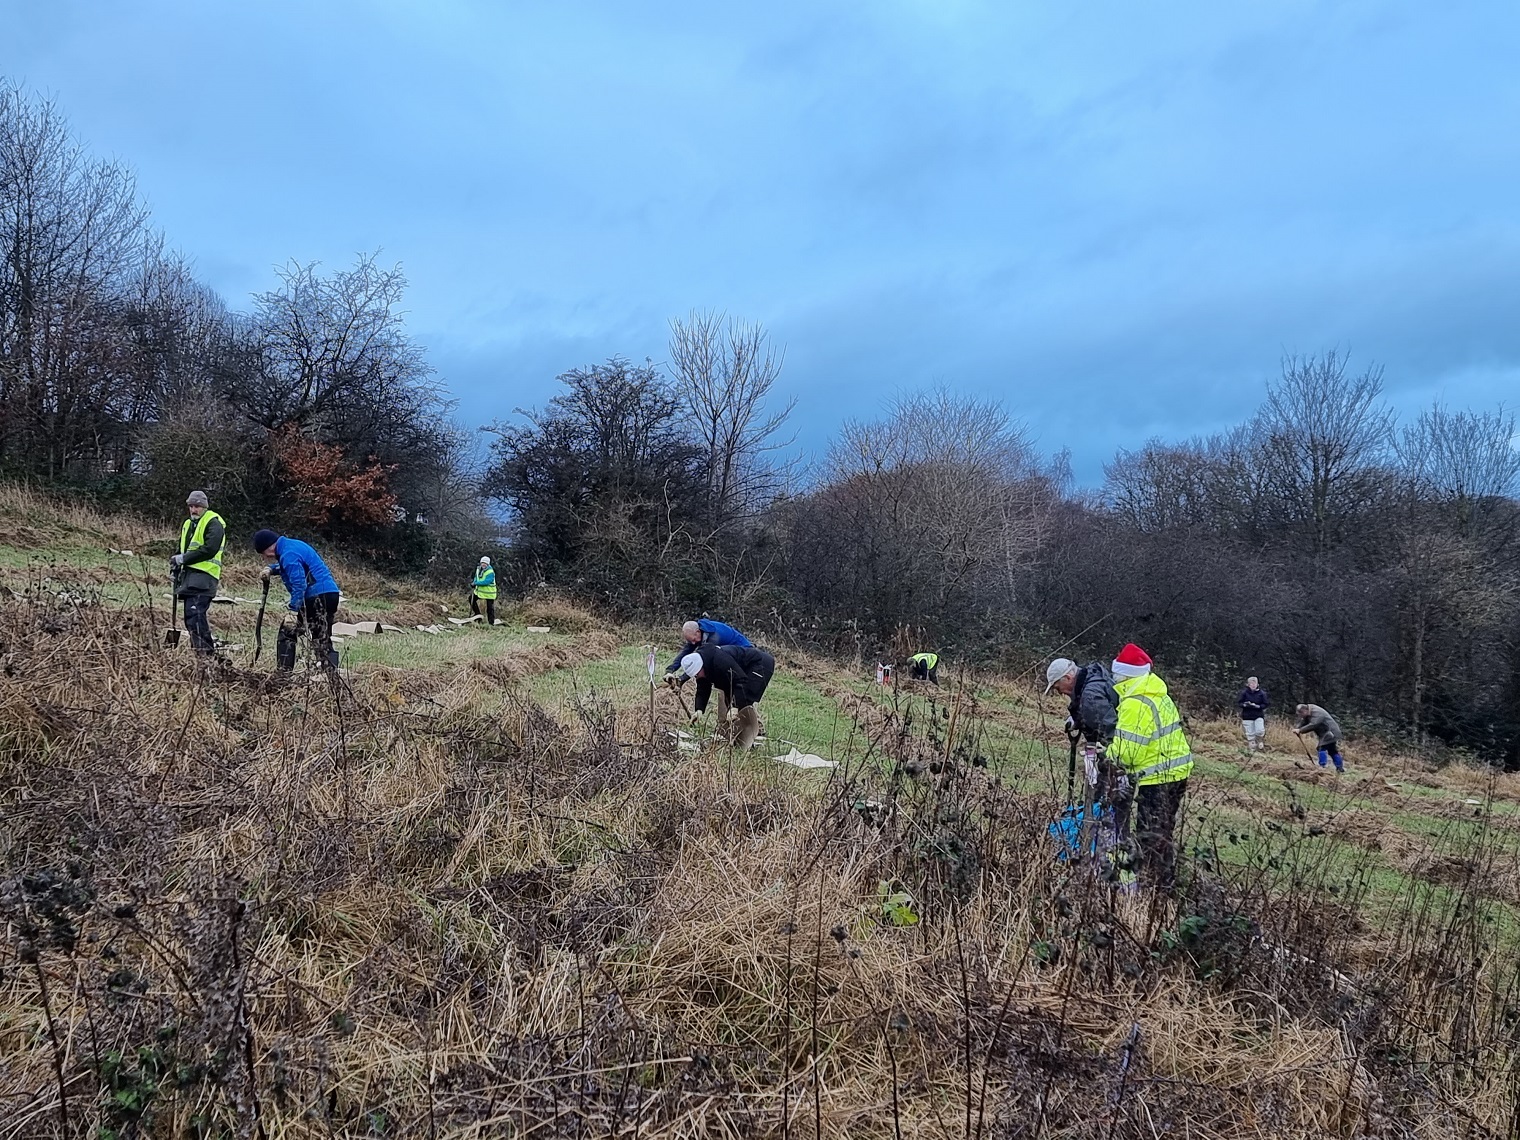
<point>327,487</point>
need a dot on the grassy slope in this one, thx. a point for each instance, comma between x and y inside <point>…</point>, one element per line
<point>1389,816</point>
<point>1393,834</point>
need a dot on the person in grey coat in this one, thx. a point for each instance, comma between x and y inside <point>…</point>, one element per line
<point>1312,718</point>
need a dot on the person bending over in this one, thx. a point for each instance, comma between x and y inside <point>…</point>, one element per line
<point>313,591</point>
<point>740,675</point>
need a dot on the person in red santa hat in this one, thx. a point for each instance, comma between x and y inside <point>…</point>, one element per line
<point>1152,753</point>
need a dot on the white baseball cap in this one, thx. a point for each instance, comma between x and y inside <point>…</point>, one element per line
<point>485,562</point>
<point>691,665</point>
<point>1056,670</point>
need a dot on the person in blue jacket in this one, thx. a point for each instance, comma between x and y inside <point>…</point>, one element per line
<point>704,631</point>
<point>313,590</point>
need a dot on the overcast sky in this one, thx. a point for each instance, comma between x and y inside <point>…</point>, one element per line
<point>1114,216</point>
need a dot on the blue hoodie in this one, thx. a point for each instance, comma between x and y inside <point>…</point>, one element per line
<point>713,633</point>
<point>302,570</point>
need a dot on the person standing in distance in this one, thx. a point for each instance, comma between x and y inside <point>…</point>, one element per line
<point>483,589</point>
<point>1253,714</point>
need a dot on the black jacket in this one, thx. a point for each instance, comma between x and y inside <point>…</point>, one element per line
<point>714,633</point>
<point>1094,706</point>
<point>741,673</point>
<point>1253,703</point>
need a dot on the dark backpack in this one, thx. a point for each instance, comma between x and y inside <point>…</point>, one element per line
<point>1098,705</point>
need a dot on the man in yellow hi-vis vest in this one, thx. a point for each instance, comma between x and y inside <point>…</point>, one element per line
<point>197,567</point>
<point>1154,761</point>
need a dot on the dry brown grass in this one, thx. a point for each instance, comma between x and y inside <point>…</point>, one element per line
<point>46,514</point>
<point>415,905</point>
<point>560,614</point>
<point>511,667</point>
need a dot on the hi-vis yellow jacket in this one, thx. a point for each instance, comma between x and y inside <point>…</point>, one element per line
<point>193,535</point>
<point>1149,743</point>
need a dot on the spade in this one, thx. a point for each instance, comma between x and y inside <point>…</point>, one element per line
<point>171,635</point>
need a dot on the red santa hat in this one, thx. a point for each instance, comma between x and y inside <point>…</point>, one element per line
<point>1132,662</point>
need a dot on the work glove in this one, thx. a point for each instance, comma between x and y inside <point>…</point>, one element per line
<point>670,679</point>
<point>176,560</point>
<point>696,716</point>
<point>264,574</point>
<point>733,715</point>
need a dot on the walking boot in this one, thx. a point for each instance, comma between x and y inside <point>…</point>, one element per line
<point>747,727</point>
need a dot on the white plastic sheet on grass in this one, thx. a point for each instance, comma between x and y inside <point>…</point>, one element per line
<point>804,760</point>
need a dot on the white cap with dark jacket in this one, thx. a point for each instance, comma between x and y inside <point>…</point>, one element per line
<point>1060,667</point>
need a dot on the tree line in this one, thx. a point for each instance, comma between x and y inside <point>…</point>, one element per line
<point>1337,553</point>
<point>1340,555</point>
<point>1328,548</point>
<point>123,375</point>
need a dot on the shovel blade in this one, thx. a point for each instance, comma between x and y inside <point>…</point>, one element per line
<point>171,638</point>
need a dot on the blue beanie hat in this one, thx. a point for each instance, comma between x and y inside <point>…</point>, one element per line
<point>264,539</point>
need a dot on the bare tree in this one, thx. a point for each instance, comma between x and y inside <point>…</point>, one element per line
<point>333,346</point>
<point>177,330</point>
<point>1323,437</point>
<point>72,233</point>
<point>1161,486</point>
<point>927,515</point>
<point>601,483</point>
<point>725,371</point>
<point>329,355</point>
<point>1465,460</point>
<point>1452,539</point>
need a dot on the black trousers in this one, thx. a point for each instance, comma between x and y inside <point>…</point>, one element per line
<point>197,608</point>
<point>1158,805</point>
<point>1155,807</point>
<point>318,612</point>
<point>476,599</point>
<point>759,677</point>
